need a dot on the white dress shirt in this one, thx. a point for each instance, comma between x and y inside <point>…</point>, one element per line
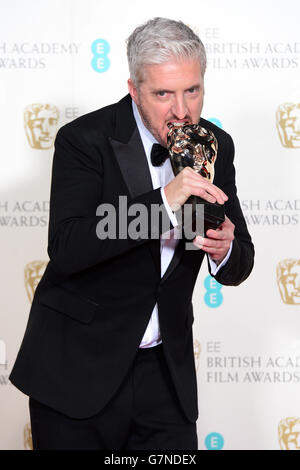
<point>161,176</point>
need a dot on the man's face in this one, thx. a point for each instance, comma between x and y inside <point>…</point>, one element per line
<point>288,278</point>
<point>289,434</point>
<point>44,128</point>
<point>33,274</point>
<point>293,127</point>
<point>292,438</point>
<point>170,92</point>
<point>288,124</point>
<point>293,284</point>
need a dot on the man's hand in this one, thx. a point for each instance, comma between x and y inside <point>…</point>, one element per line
<point>188,182</point>
<point>217,242</point>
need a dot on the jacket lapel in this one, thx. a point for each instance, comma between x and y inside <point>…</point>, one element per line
<point>129,151</point>
<point>175,260</point>
<point>132,161</point>
<point>133,164</point>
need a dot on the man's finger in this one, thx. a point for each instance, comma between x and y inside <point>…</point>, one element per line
<point>210,243</point>
<point>219,234</point>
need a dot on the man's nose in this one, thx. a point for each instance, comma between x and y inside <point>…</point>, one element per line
<point>45,126</point>
<point>179,107</point>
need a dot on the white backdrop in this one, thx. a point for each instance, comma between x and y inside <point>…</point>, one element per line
<point>247,340</point>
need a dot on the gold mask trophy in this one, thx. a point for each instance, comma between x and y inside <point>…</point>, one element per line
<point>194,146</point>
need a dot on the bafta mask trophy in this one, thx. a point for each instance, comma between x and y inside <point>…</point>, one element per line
<point>194,146</point>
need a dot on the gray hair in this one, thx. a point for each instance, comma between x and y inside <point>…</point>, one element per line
<point>159,39</point>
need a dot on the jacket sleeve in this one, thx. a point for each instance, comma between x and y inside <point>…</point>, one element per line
<point>76,193</point>
<point>241,260</point>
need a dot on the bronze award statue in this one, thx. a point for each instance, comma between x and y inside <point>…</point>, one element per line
<point>194,146</point>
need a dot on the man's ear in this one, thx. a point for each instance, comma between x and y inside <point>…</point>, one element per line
<point>133,91</point>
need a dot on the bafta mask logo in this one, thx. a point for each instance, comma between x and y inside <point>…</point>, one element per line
<point>288,124</point>
<point>289,434</point>
<point>288,279</point>
<point>27,437</point>
<point>40,122</point>
<point>197,351</point>
<point>32,274</point>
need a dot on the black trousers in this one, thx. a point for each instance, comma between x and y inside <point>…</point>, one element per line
<point>145,414</point>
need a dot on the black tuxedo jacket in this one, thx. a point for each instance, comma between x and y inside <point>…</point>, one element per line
<point>95,299</point>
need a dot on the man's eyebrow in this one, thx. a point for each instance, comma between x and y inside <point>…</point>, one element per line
<point>197,86</point>
<point>157,90</point>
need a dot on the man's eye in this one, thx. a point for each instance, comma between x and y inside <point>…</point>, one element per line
<point>192,90</point>
<point>290,121</point>
<point>162,93</point>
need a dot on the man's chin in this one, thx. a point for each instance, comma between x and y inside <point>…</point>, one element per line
<point>163,142</point>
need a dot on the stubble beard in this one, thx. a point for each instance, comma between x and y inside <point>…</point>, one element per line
<point>147,122</point>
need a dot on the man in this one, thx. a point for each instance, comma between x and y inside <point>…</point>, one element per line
<point>107,357</point>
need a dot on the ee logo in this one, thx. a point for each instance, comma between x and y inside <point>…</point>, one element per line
<point>213,296</point>
<point>100,49</point>
<point>214,441</point>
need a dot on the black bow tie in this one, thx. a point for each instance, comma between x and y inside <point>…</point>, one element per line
<point>158,154</point>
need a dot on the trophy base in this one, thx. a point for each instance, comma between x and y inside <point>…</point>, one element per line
<point>206,215</point>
